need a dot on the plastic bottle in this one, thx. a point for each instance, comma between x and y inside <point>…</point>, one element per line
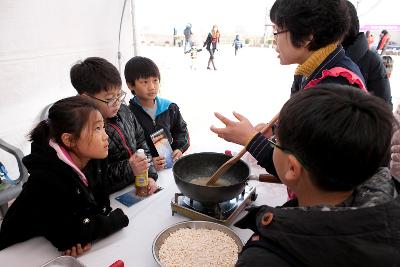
<point>142,179</point>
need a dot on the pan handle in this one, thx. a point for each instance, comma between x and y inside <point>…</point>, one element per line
<point>265,178</point>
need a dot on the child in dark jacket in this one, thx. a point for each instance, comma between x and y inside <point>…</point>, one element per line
<point>65,198</point>
<point>99,79</point>
<point>329,146</point>
<point>155,113</point>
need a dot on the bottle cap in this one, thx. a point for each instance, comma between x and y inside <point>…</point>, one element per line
<point>140,151</point>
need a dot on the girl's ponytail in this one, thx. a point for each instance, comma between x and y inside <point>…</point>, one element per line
<point>41,133</point>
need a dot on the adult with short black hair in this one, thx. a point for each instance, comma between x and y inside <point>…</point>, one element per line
<point>308,33</point>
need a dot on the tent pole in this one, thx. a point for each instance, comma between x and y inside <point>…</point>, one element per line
<point>134,32</point>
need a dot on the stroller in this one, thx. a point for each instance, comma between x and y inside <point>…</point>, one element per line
<point>388,62</point>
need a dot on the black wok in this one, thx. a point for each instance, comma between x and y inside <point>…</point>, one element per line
<point>205,164</point>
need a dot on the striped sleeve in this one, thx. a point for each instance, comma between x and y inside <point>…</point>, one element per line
<point>260,149</point>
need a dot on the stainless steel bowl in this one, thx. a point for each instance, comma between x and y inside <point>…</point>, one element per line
<point>160,238</point>
<point>66,261</point>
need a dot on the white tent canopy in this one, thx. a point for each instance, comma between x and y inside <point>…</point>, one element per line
<point>40,40</point>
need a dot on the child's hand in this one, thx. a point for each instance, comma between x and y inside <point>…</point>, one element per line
<point>77,250</point>
<point>159,162</point>
<point>176,154</point>
<point>152,187</point>
<point>138,164</point>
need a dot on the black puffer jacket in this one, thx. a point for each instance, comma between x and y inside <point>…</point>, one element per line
<point>54,203</point>
<point>371,66</point>
<point>363,231</point>
<point>119,171</point>
<point>169,118</point>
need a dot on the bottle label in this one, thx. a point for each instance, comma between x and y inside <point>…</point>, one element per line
<point>142,180</point>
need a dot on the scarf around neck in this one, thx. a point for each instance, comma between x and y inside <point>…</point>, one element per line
<point>312,63</point>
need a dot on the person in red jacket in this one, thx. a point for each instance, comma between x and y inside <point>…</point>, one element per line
<point>383,41</point>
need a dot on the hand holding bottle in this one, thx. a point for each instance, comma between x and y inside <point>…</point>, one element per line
<point>138,163</point>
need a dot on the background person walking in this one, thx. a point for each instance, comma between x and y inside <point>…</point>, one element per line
<point>187,32</point>
<point>237,44</point>
<point>383,41</point>
<point>211,45</point>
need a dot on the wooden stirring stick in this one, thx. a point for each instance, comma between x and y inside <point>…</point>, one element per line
<point>234,159</point>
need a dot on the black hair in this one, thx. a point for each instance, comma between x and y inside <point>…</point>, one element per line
<point>326,20</point>
<point>367,34</point>
<point>338,133</point>
<point>354,28</point>
<point>94,75</point>
<point>68,115</point>
<point>140,67</point>
<point>384,32</point>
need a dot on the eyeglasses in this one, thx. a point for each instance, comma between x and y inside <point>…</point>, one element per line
<point>113,101</point>
<point>273,144</point>
<point>276,33</point>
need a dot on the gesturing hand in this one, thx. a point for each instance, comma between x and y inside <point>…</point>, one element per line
<point>239,132</point>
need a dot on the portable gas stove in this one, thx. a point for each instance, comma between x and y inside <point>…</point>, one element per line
<point>224,212</point>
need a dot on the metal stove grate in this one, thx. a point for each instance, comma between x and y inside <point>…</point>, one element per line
<point>223,213</point>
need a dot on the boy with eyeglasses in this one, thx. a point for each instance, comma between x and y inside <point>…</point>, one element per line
<point>329,147</point>
<point>100,80</point>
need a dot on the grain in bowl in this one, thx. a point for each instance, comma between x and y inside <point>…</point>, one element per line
<point>205,245</point>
